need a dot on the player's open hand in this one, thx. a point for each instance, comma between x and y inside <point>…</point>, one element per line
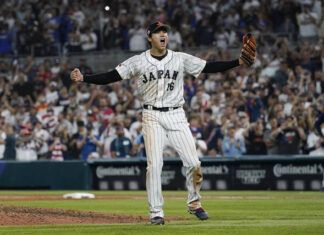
<point>76,75</point>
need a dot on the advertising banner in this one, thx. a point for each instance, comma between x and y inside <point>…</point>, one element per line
<point>219,174</point>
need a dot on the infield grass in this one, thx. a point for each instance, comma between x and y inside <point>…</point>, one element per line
<point>231,212</point>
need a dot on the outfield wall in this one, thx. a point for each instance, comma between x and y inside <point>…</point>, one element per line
<point>44,175</point>
<point>248,173</point>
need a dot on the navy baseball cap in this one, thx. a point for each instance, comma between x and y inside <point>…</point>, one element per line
<point>155,26</point>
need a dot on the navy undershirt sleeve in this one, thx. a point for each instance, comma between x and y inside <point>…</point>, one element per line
<point>219,66</point>
<point>103,78</point>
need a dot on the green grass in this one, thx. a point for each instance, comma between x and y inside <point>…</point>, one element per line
<point>231,212</point>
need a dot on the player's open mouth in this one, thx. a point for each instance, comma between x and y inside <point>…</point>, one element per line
<point>162,41</point>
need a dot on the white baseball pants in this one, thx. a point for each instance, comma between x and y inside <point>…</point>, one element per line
<point>173,125</point>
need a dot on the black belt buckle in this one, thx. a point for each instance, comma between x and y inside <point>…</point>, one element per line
<point>163,109</point>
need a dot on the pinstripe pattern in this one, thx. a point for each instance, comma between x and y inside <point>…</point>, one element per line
<point>154,141</point>
<point>160,83</point>
<point>142,65</point>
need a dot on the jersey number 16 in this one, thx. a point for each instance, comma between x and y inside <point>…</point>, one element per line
<point>170,86</point>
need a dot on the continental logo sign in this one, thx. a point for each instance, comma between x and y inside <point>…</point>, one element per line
<point>310,169</point>
<point>102,172</point>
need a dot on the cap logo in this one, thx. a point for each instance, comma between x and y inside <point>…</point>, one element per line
<point>154,26</point>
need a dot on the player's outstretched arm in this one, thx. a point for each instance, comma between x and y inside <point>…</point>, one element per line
<point>98,79</point>
<point>247,57</point>
<point>220,66</point>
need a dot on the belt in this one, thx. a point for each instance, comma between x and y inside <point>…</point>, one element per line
<point>163,109</point>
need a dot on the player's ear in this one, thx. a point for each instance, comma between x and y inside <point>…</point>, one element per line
<point>149,40</point>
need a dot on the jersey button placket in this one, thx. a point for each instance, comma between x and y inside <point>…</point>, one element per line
<point>160,87</point>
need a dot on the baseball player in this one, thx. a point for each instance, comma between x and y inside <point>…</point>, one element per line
<point>159,73</point>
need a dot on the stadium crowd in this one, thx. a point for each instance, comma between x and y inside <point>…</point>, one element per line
<point>275,107</point>
<point>68,26</point>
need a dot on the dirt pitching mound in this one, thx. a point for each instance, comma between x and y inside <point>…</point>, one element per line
<point>16,215</point>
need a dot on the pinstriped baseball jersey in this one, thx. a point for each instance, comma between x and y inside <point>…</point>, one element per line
<point>160,82</point>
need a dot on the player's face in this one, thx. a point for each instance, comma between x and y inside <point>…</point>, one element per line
<point>159,40</point>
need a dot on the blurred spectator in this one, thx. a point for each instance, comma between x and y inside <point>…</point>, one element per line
<point>51,94</point>
<point>319,82</point>
<point>231,146</point>
<point>22,87</point>
<point>204,32</point>
<point>175,39</point>
<point>222,39</point>
<point>201,145</point>
<point>84,67</point>
<point>6,39</point>
<point>78,15</point>
<point>42,137</point>
<point>308,116</point>
<point>88,39</point>
<point>319,151</point>
<point>74,144</point>
<point>112,35</point>
<point>269,136</point>
<point>53,21</point>
<point>55,68</point>
<point>26,146</point>
<point>254,105</point>
<point>281,75</point>
<point>211,133</point>
<point>289,136</point>
<point>48,119</point>
<point>189,89</point>
<point>74,40</point>
<point>137,41</point>
<point>8,138</point>
<point>57,148</point>
<point>121,146</point>
<point>321,24</point>
<point>105,113</point>
<point>254,137</point>
<point>136,125</point>
<point>2,137</point>
<point>307,21</point>
<point>139,145</point>
<point>200,101</point>
<point>319,124</point>
<point>107,136</point>
<point>89,143</point>
<point>196,126</point>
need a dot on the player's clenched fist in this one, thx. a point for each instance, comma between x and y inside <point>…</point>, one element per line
<point>76,75</point>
